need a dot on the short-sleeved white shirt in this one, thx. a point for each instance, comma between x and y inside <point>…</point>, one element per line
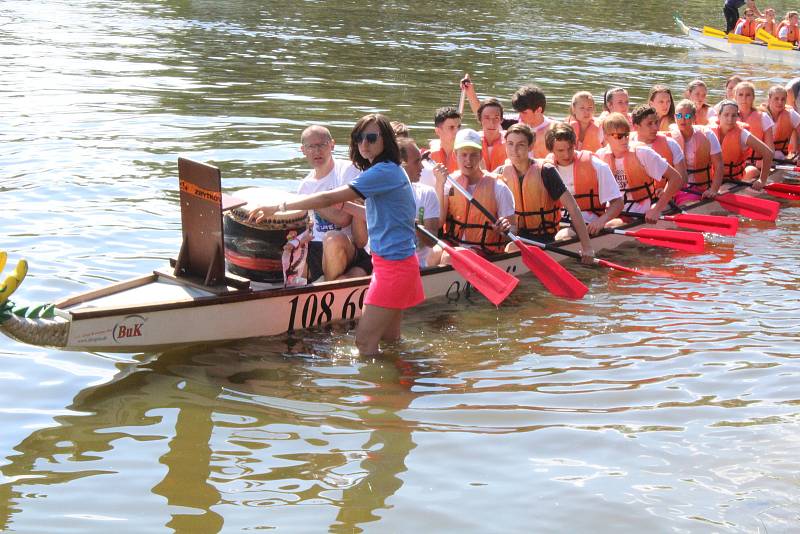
<point>343,173</point>
<point>654,165</point>
<point>607,187</point>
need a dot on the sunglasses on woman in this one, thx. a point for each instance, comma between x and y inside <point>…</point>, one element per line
<point>686,115</point>
<point>371,138</point>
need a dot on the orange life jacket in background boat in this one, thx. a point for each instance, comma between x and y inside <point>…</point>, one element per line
<point>585,187</point>
<point>748,28</point>
<point>591,137</point>
<point>733,156</point>
<point>770,27</point>
<point>639,184</point>
<point>536,212</point>
<point>466,225</point>
<point>793,34</point>
<point>782,131</point>
<point>700,173</point>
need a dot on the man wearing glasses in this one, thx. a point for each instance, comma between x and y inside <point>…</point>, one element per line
<point>336,249</point>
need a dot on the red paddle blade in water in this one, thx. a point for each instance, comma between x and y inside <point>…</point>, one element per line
<point>759,209</point>
<point>714,224</point>
<point>688,241</point>
<point>631,270</point>
<point>552,274</point>
<point>493,282</point>
<point>789,191</point>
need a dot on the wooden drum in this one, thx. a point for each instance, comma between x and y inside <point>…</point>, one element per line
<point>253,250</point>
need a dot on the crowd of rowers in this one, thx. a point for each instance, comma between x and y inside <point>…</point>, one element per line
<point>550,180</point>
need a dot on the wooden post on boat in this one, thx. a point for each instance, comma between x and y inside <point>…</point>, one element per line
<point>202,248</point>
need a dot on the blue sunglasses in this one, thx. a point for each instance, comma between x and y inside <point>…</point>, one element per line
<point>686,116</point>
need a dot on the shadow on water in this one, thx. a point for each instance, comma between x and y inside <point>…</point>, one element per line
<point>329,425</point>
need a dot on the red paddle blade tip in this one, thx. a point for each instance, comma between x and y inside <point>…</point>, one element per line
<point>715,224</point>
<point>490,280</point>
<point>679,240</point>
<point>637,272</point>
<point>759,209</point>
<point>553,275</point>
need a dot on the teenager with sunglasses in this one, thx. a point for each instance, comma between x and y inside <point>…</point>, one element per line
<point>702,153</point>
<point>390,211</point>
<point>636,169</point>
<point>646,131</point>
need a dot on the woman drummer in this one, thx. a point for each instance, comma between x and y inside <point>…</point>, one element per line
<point>390,210</point>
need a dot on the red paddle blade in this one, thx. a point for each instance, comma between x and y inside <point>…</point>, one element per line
<point>760,209</point>
<point>638,272</point>
<point>715,224</point>
<point>493,282</point>
<point>792,192</point>
<point>552,274</point>
<point>677,239</point>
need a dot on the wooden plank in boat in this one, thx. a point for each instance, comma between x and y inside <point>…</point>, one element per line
<point>105,291</point>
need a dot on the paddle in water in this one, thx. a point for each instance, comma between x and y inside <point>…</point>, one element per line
<point>788,191</point>
<point>713,224</point>
<point>677,239</point>
<point>552,274</point>
<point>493,282</point>
<point>760,209</point>
<point>597,261</point>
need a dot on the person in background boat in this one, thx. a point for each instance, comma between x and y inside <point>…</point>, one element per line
<point>490,115</point>
<point>446,123</point>
<point>760,123</point>
<point>786,119</point>
<point>736,139</point>
<point>747,26</point>
<point>645,126</point>
<point>529,101</point>
<point>588,134</point>
<point>588,179</point>
<point>660,98</point>
<point>539,193</point>
<point>788,30</point>
<point>702,151</point>
<point>427,203</point>
<point>390,208</point>
<point>768,23</point>
<point>731,11</point>
<point>615,100</point>
<point>464,225</point>
<point>697,92</point>
<point>334,250</point>
<point>730,94</point>
<point>636,169</point>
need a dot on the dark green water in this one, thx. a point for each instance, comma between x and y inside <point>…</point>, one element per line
<point>657,405</point>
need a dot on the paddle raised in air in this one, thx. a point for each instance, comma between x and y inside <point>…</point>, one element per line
<point>493,282</point>
<point>552,274</point>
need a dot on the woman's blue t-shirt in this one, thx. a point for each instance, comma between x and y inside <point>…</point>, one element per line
<point>390,210</point>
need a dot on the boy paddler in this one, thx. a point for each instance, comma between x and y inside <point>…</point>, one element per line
<point>647,131</point>
<point>636,169</point>
<point>702,152</point>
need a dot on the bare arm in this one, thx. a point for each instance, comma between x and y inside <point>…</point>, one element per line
<point>716,179</point>
<point>612,212</point>
<point>431,225</point>
<point>767,153</point>
<point>355,210</point>
<point>311,202</point>
<point>472,96</point>
<point>335,215</point>
<point>674,184</point>
<point>575,215</point>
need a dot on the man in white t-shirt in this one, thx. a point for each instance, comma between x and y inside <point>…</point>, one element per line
<point>597,192</point>
<point>428,207</point>
<point>332,251</point>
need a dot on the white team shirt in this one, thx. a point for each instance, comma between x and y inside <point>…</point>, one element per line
<point>654,165</point>
<point>691,151</point>
<point>343,173</point>
<point>607,187</point>
<point>427,208</point>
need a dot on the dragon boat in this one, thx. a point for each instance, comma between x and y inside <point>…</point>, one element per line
<point>742,49</point>
<point>197,300</point>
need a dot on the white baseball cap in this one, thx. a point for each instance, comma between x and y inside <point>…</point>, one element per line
<point>468,138</point>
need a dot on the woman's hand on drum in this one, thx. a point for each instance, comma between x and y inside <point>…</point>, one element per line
<point>261,213</point>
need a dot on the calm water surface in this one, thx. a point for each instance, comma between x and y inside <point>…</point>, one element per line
<point>651,405</point>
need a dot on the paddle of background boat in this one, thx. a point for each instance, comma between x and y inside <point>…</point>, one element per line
<point>677,239</point>
<point>597,261</point>
<point>713,32</point>
<point>493,282</point>
<point>759,209</point>
<point>713,224</point>
<point>788,191</point>
<point>552,274</point>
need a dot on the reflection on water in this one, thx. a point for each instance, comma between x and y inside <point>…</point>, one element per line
<point>653,404</point>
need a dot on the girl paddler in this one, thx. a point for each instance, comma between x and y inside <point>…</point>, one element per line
<point>736,140</point>
<point>390,210</point>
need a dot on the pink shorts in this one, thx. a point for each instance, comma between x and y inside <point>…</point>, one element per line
<point>395,284</point>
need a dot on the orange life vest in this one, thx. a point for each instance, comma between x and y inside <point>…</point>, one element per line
<point>756,128</point>
<point>770,27</point>
<point>589,139</point>
<point>539,146</point>
<point>782,131</point>
<point>733,155</point>
<point>537,213</point>
<point>792,35</point>
<point>661,146</point>
<point>439,156</point>
<point>748,28</point>
<point>466,225</point>
<point>638,184</point>
<point>700,173</point>
<point>497,157</point>
<point>585,187</point>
